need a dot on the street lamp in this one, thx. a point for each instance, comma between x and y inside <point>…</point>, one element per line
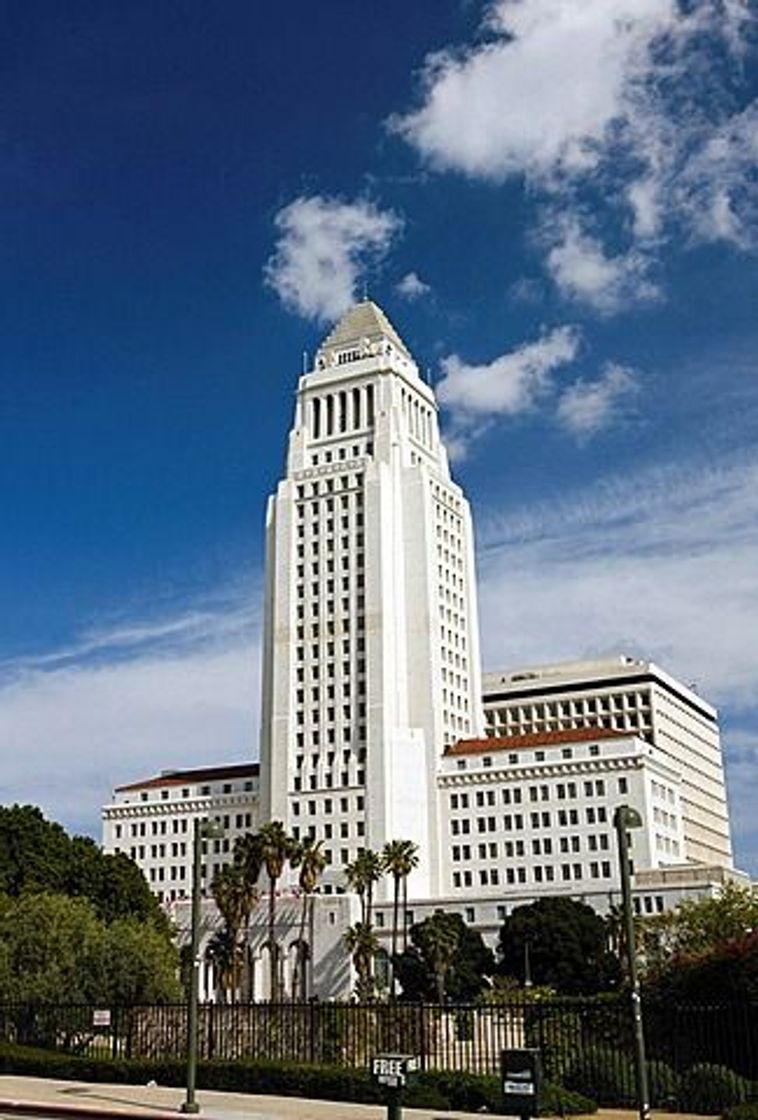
<point>203,829</point>
<point>624,819</point>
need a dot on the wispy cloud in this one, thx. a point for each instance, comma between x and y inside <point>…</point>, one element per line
<point>664,562</point>
<point>323,246</point>
<point>581,269</point>
<point>587,407</point>
<point>126,701</point>
<point>661,564</point>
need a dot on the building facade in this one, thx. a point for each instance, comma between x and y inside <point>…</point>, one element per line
<point>371,646</point>
<point>633,697</point>
<point>151,821</point>
<point>376,724</point>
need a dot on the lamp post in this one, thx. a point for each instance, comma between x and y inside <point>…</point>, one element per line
<point>624,819</point>
<point>203,829</point>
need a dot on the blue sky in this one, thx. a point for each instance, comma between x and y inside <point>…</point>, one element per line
<point>556,204</point>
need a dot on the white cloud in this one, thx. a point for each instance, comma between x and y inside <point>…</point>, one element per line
<point>323,246</point>
<point>511,383</point>
<point>474,395</point>
<point>540,97</point>
<point>620,98</point>
<point>412,286</point>
<point>586,407</point>
<point>124,705</point>
<point>582,271</point>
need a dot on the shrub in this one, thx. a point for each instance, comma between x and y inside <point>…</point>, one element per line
<point>431,1090</point>
<point>557,1101</point>
<point>708,1089</point>
<point>609,1077</point>
<point>746,1111</point>
<point>603,1074</point>
<point>662,1084</point>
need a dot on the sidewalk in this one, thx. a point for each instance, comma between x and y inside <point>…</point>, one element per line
<point>77,1100</point>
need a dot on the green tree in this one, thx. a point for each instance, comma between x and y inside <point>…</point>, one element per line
<point>34,853</point>
<point>361,876</point>
<point>726,973</point>
<point>38,855</point>
<point>235,897</point>
<point>309,856</point>
<point>438,939</point>
<point>249,858</point>
<point>140,964</point>
<point>222,951</point>
<point>445,960</point>
<point>698,926</point>
<point>565,943</point>
<point>276,849</point>
<point>363,944</point>
<point>114,883</point>
<point>56,950</point>
<point>399,857</point>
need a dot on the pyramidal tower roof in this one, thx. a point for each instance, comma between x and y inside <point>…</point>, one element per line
<point>364,321</point>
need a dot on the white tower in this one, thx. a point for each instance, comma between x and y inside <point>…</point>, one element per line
<point>371,646</point>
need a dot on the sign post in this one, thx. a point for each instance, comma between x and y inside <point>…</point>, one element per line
<point>522,1082</point>
<point>391,1073</point>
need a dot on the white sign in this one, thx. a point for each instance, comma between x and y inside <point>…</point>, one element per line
<point>101,1018</point>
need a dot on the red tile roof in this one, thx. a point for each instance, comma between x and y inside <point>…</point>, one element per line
<point>536,739</point>
<point>189,777</point>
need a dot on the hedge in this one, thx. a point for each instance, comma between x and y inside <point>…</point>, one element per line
<point>460,1091</point>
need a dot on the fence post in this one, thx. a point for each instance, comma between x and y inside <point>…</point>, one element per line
<point>210,1009</point>
<point>422,1035</point>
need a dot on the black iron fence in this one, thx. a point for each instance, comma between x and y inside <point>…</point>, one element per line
<point>583,1041</point>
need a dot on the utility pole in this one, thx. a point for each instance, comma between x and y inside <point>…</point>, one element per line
<point>624,819</point>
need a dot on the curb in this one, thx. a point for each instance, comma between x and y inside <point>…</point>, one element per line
<point>82,1111</point>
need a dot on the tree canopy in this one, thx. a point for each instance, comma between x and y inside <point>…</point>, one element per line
<point>38,855</point>
<point>698,926</point>
<point>446,959</point>
<point>564,943</point>
<point>703,949</point>
<point>55,949</point>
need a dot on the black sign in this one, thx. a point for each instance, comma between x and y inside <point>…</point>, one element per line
<point>522,1081</point>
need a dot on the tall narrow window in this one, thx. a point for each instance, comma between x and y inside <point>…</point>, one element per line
<point>316,418</point>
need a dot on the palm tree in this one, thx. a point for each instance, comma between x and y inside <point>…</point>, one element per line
<point>399,857</point>
<point>248,857</point>
<point>309,856</point>
<point>362,943</point>
<point>276,848</point>
<point>364,871</point>
<point>221,951</point>
<point>438,939</point>
<point>235,897</point>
